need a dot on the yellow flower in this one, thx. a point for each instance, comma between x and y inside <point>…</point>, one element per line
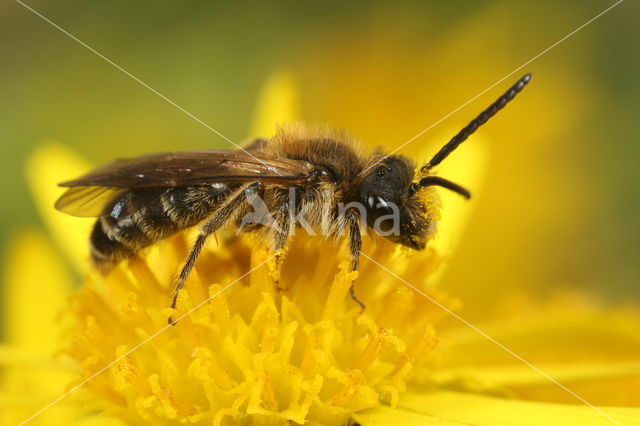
<point>242,349</point>
<point>252,354</point>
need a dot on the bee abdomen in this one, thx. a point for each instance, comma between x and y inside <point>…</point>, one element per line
<point>132,223</point>
<point>105,250</point>
<point>140,219</point>
<point>115,239</point>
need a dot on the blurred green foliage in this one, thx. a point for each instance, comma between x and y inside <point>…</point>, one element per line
<point>212,57</point>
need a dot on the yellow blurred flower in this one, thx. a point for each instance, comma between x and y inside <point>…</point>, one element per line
<point>255,355</point>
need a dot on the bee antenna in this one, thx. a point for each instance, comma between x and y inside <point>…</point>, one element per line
<point>438,181</point>
<point>477,122</point>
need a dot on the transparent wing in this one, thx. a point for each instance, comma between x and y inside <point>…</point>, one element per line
<point>88,201</point>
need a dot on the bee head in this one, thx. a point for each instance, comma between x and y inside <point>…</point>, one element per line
<point>390,197</point>
<point>393,207</point>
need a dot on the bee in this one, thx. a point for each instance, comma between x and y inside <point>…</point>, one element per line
<point>341,190</point>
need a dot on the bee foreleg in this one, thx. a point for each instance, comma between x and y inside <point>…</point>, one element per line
<point>354,246</point>
<point>235,202</point>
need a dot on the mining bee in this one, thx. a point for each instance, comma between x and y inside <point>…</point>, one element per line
<point>333,180</point>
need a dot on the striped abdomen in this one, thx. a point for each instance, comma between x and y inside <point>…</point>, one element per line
<point>142,217</point>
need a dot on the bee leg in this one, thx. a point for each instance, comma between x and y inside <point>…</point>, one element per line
<point>282,230</point>
<point>232,204</point>
<point>355,244</point>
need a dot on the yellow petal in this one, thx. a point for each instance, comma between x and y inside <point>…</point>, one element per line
<point>383,416</point>
<point>594,353</point>
<point>278,103</point>
<point>48,165</point>
<point>98,420</point>
<point>520,375</point>
<point>35,286</point>
<point>16,356</point>
<point>446,406</point>
<point>601,383</point>
<point>549,336</point>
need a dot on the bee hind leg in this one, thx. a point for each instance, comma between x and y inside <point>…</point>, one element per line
<point>282,225</point>
<point>354,246</point>
<point>235,202</point>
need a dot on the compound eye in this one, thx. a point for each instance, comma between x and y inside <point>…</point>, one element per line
<point>413,188</point>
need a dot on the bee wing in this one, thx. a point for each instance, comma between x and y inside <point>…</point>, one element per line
<point>91,194</point>
<point>194,168</point>
<point>88,201</point>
